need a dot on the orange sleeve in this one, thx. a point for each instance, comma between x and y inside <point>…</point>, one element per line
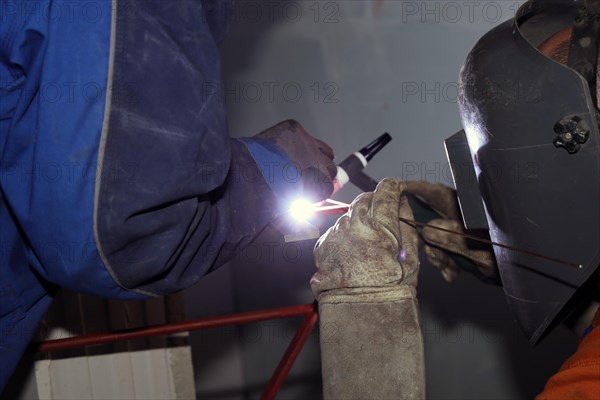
<point>579,376</point>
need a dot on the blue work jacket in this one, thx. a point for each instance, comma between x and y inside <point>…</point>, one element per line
<point>117,174</point>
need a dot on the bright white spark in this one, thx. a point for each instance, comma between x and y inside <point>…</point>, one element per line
<point>302,209</point>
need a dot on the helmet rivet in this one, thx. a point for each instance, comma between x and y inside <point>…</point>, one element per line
<point>571,132</point>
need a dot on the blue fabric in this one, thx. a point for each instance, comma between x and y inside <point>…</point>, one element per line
<point>276,168</point>
<point>52,90</point>
<point>117,174</point>
<point>52,113</point>
<point>24,296</point>
<point>162,227</point>
<point>117,184</point>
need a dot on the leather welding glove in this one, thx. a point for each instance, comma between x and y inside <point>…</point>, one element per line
<point>293,162</point>
<point>439,245</point>
<point>371,342</point>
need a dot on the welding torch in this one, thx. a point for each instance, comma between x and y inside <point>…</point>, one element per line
<point>351,169</point>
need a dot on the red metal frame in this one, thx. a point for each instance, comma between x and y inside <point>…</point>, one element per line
<point>309,311</point>
<point>290,355</point>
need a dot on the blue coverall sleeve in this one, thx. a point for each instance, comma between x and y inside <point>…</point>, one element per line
<point>118,177</point>
<point>166,202</point>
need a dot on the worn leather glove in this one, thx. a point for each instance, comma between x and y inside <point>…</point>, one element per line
<point>367,266</point>
<point>438,245</point>
<point>368,248</point>
<point>293,162</point>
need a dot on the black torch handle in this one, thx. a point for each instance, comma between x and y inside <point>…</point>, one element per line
<point>375,146</point>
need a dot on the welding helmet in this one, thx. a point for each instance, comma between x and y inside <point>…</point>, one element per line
<point>527,163</point>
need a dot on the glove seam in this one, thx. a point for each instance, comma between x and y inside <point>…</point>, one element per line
<point>368,295</point>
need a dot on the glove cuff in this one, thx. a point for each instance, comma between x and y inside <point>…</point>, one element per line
<point>368,294</point>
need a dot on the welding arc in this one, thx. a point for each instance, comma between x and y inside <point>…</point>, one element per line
<point>478,239</point>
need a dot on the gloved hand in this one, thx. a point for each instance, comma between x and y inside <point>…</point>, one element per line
<point>369,250</point>
<point>291,158</point>
<point>371,342</point>
<point>438,243</point>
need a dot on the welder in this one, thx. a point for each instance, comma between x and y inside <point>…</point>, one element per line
<point>528,102</point>
<point>118,176</point>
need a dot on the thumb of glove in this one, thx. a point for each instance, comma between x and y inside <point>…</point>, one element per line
<point>447,234</point>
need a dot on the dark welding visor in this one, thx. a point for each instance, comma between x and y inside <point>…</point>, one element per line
<point>527,165</point>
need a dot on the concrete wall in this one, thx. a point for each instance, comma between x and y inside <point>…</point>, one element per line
<point>349,71</point>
